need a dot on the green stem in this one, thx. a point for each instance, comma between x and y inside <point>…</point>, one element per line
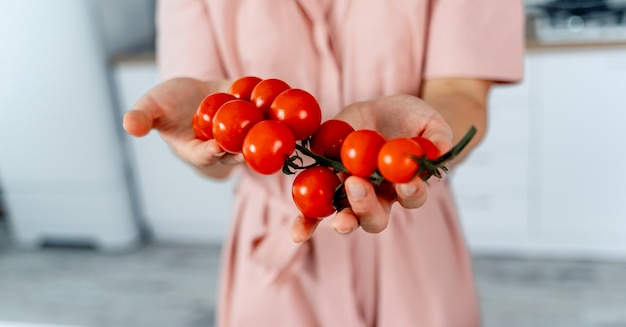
<point>457,148</point>
<point>427,169</point>
<point>321,160</point>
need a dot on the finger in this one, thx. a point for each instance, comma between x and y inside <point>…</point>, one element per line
<point>372,215</point>
<point>204,153</point>
<point>345,221</point>
<point>141,119</point>
<point>137,122</point>
<point>231,159</point>
<point>197,152</point>
<point>303,228</point>
<point>412,194</point>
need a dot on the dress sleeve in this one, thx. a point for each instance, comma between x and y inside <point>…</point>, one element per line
<point>185,41</point>
<point>476,39</point>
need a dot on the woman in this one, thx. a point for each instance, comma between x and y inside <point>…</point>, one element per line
<point>370,63</point>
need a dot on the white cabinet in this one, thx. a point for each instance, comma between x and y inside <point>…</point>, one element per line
<point>582,176</point>
<point>549,177</point>
<point>61,158</point>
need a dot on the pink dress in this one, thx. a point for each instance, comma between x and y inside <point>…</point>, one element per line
<point>418,271</point>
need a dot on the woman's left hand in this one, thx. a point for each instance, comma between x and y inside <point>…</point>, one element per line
<point>370,207</point>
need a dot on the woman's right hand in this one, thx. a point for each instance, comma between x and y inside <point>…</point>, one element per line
<point>169,108</point>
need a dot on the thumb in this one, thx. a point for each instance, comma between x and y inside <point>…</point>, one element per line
<point>303,228</point>
<point>137,122</point>
<point>142,118</point>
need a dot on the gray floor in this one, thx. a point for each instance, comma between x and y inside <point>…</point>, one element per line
<point>544,292</point>
<point>175,286</point>
<point>155,286</point>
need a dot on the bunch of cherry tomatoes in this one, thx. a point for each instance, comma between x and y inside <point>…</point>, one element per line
<point>274,125</point>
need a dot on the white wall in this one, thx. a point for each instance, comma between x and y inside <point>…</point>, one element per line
<point>61,157</point>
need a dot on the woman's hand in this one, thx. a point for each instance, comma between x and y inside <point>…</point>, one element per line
<point>169,108</point>
<point>370,207</point>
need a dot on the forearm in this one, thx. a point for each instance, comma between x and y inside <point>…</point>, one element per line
<point>461,112</point>
<point>462,104</point>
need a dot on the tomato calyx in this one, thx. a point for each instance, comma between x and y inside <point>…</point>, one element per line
<point>290,166</point>
<point>340,199</point>
<point>290,163</point>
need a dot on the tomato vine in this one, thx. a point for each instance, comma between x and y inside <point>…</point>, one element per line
<point>277,127</point>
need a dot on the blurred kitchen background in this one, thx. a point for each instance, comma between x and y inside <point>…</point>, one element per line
<point>101,229</point>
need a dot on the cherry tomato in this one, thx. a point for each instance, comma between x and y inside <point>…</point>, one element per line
<point>265,92</point>
<point>313,191</point>
<point>394,159</point>
<point>198,130</point>
<point>232,122</point>
<point>359,152</point>
<point>329,137</point>
<point>203,118</point>
<point>242,87</point>
<point>429,148</point>
<point>299,110</point>
<point>267,145</point>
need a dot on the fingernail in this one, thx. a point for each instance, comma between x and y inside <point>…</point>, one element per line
<point>343,230</point>
<point>356,191</point>
<point>220,154</point>
<point>408,189</point>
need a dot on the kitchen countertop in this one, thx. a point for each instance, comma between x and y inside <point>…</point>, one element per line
<point>532,45</point>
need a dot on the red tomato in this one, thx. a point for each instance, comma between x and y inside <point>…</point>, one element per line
<point>299,110</point>
<point>429,148</point>
<point>203,118</point>
<point>359,152</point>
<point>313,191</point>
<point>329,137</point>
<point>242,87</point>
<point>232,122</point>
<point>266,147</point>
<point>265,92</point>
<point>198,130</point>
<point>394,159</point>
